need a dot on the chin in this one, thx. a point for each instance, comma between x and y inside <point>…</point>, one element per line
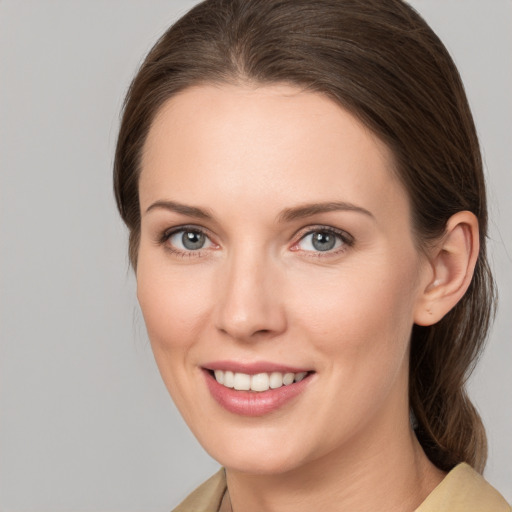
<point>258,464</point>
<point>267,457</point>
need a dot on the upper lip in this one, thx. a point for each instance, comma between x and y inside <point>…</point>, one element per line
<point>253,368</point>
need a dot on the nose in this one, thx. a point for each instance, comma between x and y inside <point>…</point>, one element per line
<point>250,303</point>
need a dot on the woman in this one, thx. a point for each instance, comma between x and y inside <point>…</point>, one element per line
<point>304,192</point>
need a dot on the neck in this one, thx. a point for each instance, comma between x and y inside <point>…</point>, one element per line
<point>373,472</point>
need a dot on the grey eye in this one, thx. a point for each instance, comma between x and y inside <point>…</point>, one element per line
<point>189,240</point>
<point>321,241</point>
<point>193,240</point>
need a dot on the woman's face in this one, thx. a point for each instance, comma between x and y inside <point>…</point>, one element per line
<point>276,246</point>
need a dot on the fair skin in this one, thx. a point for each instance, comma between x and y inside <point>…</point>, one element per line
<point>232,167</point>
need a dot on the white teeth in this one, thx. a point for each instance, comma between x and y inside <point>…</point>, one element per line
<point>276,380</point>
<point>242,382</point>
<point>229,379</point>
<point>219,375</point>
<point>259,382</point>
<point>300,376</point>
<point>288,378</point>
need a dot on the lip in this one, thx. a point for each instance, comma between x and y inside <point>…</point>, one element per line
<point>254,367</point>
<point>250,403</point>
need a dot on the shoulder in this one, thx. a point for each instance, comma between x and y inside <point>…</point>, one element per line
<point>464,490</point>
<point>207,497</point>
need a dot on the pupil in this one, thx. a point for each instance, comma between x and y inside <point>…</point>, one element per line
<point>192,240</point>
<point>323,241</point>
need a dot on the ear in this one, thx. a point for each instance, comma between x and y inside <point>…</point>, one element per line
<point>452,263</point>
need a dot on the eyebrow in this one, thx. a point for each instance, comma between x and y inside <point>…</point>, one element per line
<point>287,215</point>
<point>183,209</point>
<point>307,210</point>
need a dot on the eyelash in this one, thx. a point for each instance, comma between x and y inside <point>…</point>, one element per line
<point>346,241</point>
<point>166,236</point>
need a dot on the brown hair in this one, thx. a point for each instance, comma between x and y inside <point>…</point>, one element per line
<point>381,61</point>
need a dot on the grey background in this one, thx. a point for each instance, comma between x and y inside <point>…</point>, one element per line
<point>85,423</point>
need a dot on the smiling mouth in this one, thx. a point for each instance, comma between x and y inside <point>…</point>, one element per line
<point>259,382</point>
<point>249,390</point>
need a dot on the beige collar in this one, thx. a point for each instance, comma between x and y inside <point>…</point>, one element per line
<point>462,490</point>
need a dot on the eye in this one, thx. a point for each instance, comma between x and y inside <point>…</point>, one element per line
<point>323,240</point>
<point>187,239</point>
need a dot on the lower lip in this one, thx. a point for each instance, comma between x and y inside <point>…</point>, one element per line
<point>251,403</point>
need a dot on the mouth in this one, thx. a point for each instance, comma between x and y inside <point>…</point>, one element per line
<point>250,391</point>
<point>259,382</point>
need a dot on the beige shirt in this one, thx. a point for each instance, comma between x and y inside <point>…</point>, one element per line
<point>462,490</point>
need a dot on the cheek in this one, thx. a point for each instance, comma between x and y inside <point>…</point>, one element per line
<point>174,303</point>
<point>359,328</point>
<point>175,307</point>
<point>363,312</point>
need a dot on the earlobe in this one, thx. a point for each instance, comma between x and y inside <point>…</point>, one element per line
<point>452,261</point>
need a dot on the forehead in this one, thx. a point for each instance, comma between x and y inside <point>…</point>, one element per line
<point>258,143</point>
